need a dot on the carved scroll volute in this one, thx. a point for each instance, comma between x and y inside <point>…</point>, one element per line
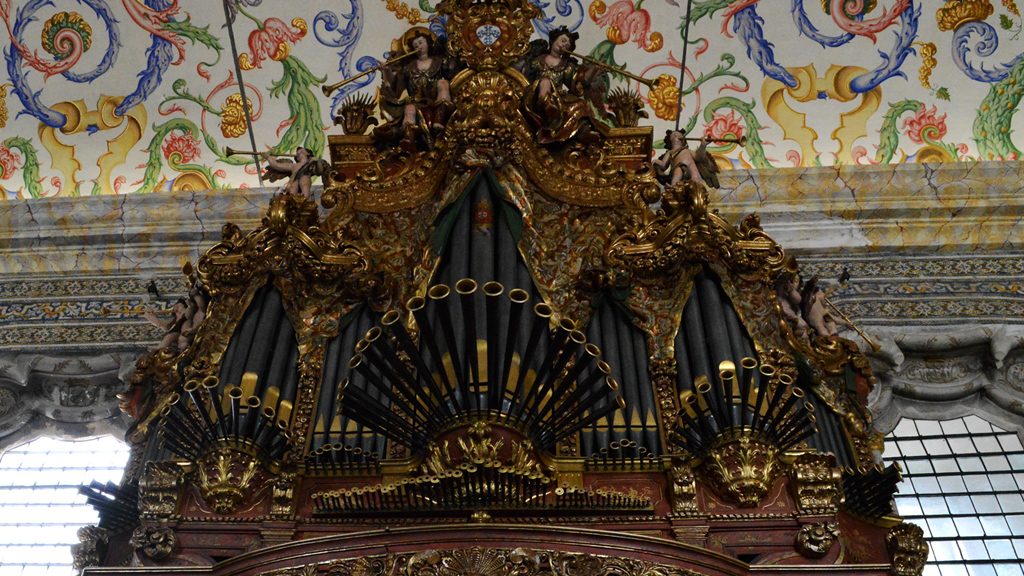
<point>488,34</point>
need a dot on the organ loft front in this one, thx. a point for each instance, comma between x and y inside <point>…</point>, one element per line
<point>503,339</point>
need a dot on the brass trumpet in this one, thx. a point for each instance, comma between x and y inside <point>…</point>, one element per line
<point>329,89</point>
<point>645,81</point>
<point>742,140</point>
<point>232,152</point>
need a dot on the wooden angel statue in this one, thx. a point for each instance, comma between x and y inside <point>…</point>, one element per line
<point>679,163</point>
<point>816,310</point>
<point>416,94</point>
<point>556,100</point>
<point>787,289</point>
<point>299,170</point>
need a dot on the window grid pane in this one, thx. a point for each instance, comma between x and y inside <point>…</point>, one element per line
<point>40,507</point>
<point>962,484</point>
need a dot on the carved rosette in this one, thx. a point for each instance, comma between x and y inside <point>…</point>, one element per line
<point>154,542</point>
<point>225,476</point>
<point>908,549</point>
<point>815,540</point>
<point>817,483</point>
<point>742,468</point>
<point>485,562</point>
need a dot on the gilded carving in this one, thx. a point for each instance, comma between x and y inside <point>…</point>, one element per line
<point>684,489</point>
<point>91,547</point>
<point>282,500</point>
<point>815,540</point>
<point>159,487</point>
<point>226,476</point>
<point>154,542</point>
<point>908,549</point>
<point>742,468</point>
<point>485,562</point>
<point>817,483</point>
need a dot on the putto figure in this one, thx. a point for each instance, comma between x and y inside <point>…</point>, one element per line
<point>556,100</point>
<point>416,95</point>
<point>679,163</point>
<point>299,170</point>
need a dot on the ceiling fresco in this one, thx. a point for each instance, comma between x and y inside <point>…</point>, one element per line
<point>139,96</point>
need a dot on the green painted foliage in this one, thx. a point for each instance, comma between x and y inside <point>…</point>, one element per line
<point>754,147</point>
<point>992,124</point>
<point>30,167</point>
<point>889,133</point>
<point>307,127</point>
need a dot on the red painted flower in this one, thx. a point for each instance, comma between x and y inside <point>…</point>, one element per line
<point>926,124</point>
<point>626,23</point>
<point>183,145</point>
<point>9,162</point>
<point>724,126</point>
<point>272,40</point>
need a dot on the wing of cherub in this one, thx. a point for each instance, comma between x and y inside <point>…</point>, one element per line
<point>707,167</point>
<point>524,65</point>
<point>274,174</point>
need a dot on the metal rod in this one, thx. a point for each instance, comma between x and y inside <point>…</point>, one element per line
<point>241,88</point>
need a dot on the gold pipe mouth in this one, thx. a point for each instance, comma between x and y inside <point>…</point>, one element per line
<point>191,386</point>
<point>726,374</point>
<point>361,346</point>
<point>391,316</point>
<point>703,387</point>
<point>252,402</point>
<point>439,292</point>
<point>612,383</point>
<point>809,407</point>
<point>269,413</point>
<point>173,399</point>
<point>493,288</point>
<point>211,382</point>
<point>748,363</point>
<point>767,370</point>
<point>567,324</point>
<point>577,337</point>
<point>795,391</point>
<point>518,295</point>
<point>465,286</point>
<point>416,303</point>
<point>355,362</point>
<point>785,379</point>
<point>372,334</point>
<point>235,392</point>
<point>604,367</point>
<point>542,309</point>
<point>620,401</point>
<point>592,349</point>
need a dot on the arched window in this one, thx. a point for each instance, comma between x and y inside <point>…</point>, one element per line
<point>40,507</point>
<point>964,486</point>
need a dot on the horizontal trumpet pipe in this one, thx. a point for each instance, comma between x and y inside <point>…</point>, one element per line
<point>329,89</point>
<point>645,81</point>
<point>229,151</point>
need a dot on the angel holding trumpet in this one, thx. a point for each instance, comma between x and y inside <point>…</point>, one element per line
<point>299,168</point>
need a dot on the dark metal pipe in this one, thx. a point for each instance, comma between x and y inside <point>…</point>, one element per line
<point>466,289</point>
<point>439,294</point>
<point>518,299</point>
<point>492,300</point>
